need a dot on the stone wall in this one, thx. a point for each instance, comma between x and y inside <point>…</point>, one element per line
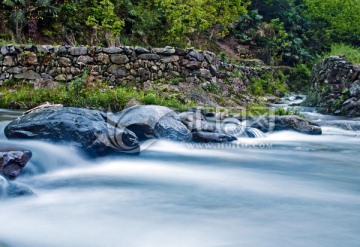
<point>336,83</point>
<point>115,65</point>
<point>195,71</point>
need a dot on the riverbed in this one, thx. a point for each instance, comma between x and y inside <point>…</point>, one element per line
<point>286,189</point>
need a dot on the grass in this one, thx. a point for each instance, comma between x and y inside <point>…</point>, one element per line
<point>21,95</point>
<point>352,53</point>
<point>269,83</point>
<point>288,111</point>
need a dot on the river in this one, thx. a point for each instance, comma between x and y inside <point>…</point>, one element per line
<point>286,189</point>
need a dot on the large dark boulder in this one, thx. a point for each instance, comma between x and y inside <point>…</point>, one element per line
<point>151,121</point>
<point>86,129</point>
<point>13,160</point>
<point>279,123</point>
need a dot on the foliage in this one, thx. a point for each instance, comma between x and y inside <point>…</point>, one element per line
<point>212,88</point>
<point>20,95</point>
<point>288,111</point>
<point>28,14</point>
<point>186,17</point>
<point>341,17</point>
<point>284,29</point>
<point>273,83</point>
<point>247,26</point>
<point>104,21</point>
<point>300,78</point>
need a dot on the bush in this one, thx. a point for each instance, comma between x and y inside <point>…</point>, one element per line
<point>300,78</point>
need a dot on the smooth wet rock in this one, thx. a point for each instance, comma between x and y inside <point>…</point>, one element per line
<point>196,121</point>
<point>13,160</point>
<point>151,121</point>
<point>291,122</point>
<point>89,130</point>
<point>206,137</point>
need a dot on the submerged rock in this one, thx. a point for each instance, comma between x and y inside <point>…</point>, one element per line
<point>13,160</point>
<point>212,137</point>
<point>291,122</point>
<point>11,189</point>
<point>86,129</point>
<point>151,121</point>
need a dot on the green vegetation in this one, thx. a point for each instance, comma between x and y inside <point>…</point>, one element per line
<point>290,31</point>
<point>288,111</point>
<point>300,78</point>
<point>154,22</point>
<point>280,32</point>
<point>352,53</point>
<point>20,95</point>
<point>340,18</point>
<point>272,82</point>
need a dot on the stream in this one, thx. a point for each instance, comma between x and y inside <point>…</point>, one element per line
<point>286,189</point>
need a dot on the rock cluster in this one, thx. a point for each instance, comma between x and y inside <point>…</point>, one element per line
<point>97,133</point>
<point>336,83</point>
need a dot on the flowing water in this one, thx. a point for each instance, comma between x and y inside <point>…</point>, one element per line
<point>285,189</point>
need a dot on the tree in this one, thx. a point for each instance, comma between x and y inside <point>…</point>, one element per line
<point>341,16</point>
<point>186,17</point>
<point>28,13</point>
<point>104,21</point>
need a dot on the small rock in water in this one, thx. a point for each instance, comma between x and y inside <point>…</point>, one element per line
<point>13,160</point>
<point>291,122</point>
<point>212,137</point>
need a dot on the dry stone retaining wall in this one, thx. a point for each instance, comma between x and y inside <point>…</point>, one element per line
<point>336,83</point>
<point>50,65</point>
